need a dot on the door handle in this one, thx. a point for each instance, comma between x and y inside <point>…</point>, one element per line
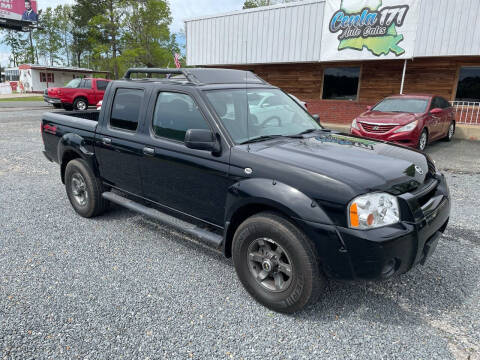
<point>107,141</point>
<point>149,151</point>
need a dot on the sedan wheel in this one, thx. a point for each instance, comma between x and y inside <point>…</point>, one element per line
<point>422,142</point>
<point>451,131</point>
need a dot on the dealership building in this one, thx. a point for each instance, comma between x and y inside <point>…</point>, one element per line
<point>343,55</point>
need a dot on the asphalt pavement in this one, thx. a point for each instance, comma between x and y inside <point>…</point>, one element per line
<point>124,287</point>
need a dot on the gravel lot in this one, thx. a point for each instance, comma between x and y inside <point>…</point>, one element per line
<point>122,286</point>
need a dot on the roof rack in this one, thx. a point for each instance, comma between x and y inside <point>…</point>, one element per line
<point>183,72</point>
<point>204,76</point>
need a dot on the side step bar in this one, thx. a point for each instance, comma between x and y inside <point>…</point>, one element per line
<point>205,236</point>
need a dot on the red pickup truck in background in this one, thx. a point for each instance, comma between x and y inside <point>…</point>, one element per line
<point>78,94</point>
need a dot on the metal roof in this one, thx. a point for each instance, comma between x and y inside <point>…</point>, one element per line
<point>292,33</point>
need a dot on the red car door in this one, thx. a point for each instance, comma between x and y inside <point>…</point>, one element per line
<point>100,87</point>
<point>435,119</point>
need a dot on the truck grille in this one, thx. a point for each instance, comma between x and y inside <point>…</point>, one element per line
<point>377,129</point>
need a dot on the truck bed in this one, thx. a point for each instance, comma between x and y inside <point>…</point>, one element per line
<point>80,124</point>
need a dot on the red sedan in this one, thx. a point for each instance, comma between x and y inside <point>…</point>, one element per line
<point>409,120</point>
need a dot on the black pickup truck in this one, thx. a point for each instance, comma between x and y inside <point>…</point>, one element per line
<point>233,161</point>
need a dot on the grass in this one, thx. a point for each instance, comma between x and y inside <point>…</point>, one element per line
<point>26,98</point>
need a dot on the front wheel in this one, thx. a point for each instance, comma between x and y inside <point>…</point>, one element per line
<point>423,140</point>
<point>84,190</point>
<point>451,131</point>
<point>276,263</point>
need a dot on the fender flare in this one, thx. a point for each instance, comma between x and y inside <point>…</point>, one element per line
<point>271,194</point>
<point>286,198</point>
<point>74,143</point>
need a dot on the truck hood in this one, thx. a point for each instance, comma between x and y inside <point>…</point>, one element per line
<point>388,117</point>
<point>365,165</point>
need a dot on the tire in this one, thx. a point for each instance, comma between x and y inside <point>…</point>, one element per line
<point>67,107</point>
<point>84,190</point>
<point>423,140</point>
<point>305,283</point>
<point>57,106</point>
<point>451,131</point>
<point>80,104</point>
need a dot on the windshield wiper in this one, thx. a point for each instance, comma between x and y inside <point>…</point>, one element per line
<point>261,138</point>
<point>308,131</point>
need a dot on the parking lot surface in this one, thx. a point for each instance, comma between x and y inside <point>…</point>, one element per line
<point>123,286</point>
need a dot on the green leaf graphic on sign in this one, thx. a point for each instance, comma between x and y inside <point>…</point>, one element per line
<point>376,45</point>
<point>381,45</point>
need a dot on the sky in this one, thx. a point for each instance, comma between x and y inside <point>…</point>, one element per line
<point>181,10</point>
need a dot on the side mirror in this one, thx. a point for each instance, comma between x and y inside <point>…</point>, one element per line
<point>369,108</point>
<point>200,139</point>
<point>436,111</point>
<point>316,117</point>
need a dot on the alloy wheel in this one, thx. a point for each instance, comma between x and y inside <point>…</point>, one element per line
<point>423,141</point>
<point>270,264</point>
<point>79,189</point>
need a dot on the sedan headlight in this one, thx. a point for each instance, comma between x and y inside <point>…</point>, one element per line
<point>355,125</point>
<point>409,127</point>
<point>374,210</point>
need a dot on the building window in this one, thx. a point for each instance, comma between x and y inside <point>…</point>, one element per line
<point>47,77</point>
<point>341,83</point>
<point>468,88</point>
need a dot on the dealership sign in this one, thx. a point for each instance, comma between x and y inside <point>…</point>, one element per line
<point>19,10</point>
<point>369,29</point>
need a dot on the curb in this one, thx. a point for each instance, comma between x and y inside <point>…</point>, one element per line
<point>462,132</point>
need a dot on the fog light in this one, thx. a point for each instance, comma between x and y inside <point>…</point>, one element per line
<point>389,268</point>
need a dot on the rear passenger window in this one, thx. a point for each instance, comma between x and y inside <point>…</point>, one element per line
<point>102,85</point>
<point>176,113</point>
<point>86,84</point>
<point>126,109</point>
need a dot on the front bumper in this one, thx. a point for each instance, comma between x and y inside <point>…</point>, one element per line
<point>404,138</point>
<point>51,100</point>
<point>381,253</point>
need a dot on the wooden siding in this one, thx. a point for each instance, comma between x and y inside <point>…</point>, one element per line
<point>378,79</point>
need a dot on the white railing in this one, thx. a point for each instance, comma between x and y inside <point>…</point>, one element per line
<point>467,112</point>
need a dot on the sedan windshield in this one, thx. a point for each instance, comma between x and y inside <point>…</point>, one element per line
<point>260,114</point>
<point>73,84</point>
<point>404,105</point>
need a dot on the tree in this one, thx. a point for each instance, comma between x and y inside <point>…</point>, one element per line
<point>48,39</point>
<point>249,4</point>
<point>258,3</point>
<point>107,26</point>
<point>147,39</point>
<point>63,15</point>
<point>19,46</point>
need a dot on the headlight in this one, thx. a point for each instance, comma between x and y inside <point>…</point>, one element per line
<point>374,210</point>
<point>408,127</point>
<point>355,125</point>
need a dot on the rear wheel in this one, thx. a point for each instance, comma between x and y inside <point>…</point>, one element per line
<point>80,104</point>
<point>451,132</point>
<point>423,140</point>
<point>84,190</point>
<point>276,263</point>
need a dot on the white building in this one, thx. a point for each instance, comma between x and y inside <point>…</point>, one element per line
<point>37,78</point>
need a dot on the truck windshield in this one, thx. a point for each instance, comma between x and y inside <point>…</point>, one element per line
<point>260,113</point>
<point>402,105</point>
<point>73,84</point>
